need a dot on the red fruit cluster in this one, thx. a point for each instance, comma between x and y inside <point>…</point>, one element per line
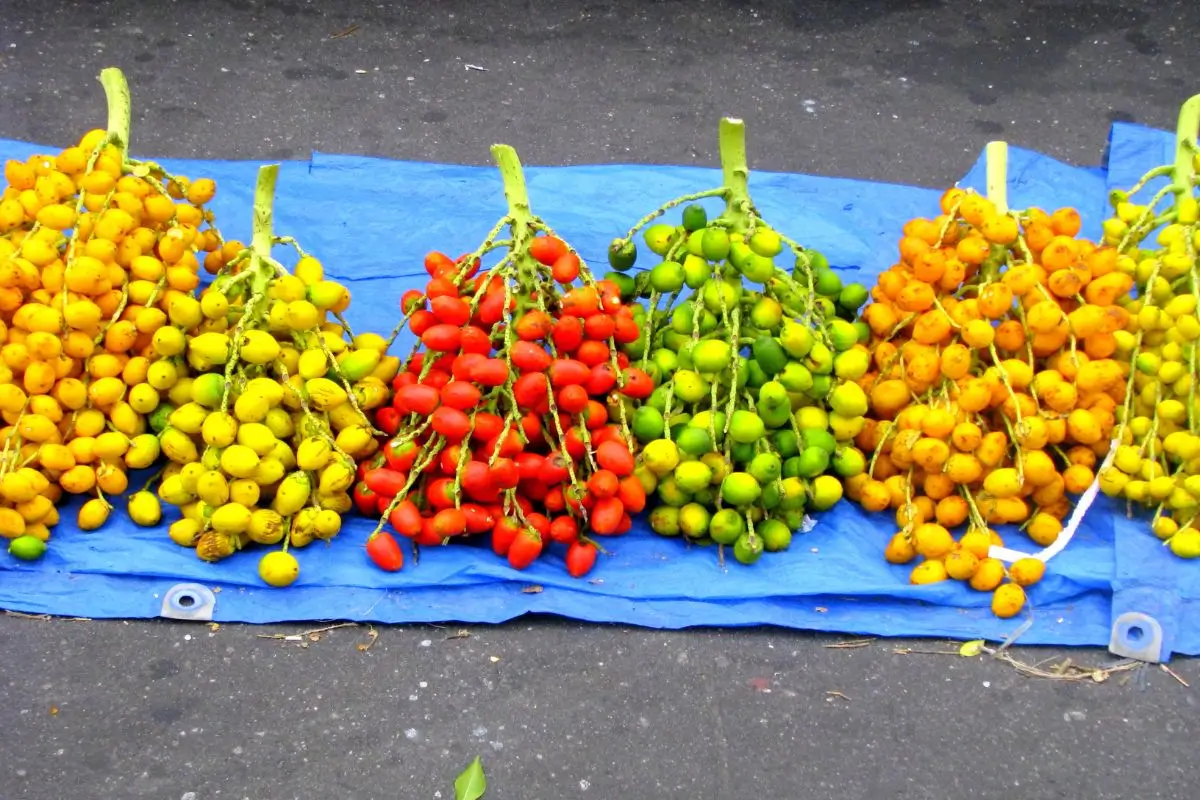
<point>503,414</point>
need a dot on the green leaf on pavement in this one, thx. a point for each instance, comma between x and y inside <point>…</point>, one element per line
<point>471,784</point>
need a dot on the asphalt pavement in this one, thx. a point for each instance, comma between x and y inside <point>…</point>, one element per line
<point>889,91</point>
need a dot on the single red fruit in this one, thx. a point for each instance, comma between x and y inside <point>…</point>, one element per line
<point>599,327</point>
<point>450,522</point>
<point>564,530</point>
<point>412,300</point>
<point>365,500</point>
<point>592,353</point>
<point>489,372</point>
<point>460,395</point>
<point>428,537</point>
<point>580,302</point>
<point>479,518</point>
<point>442,338</point>
<point>504,534</point>
<point>565,268</point>
<point>405,518</point>
<point>402,379</point>
<point>601,380</point>
<point>554,469</point>
<point>531,426</point>
<point>610,295</point>
<point>440,493</point>
<point>555,501</point>
<point>509,444</point>
<point>626,330</point>
<point>475,340</point>
<point>464,364</point>
<point>595,415</point>
<point>436,262</point>
<point>400,455</point>
<point>374,462</point>
<point>581,557</point>
<point>625,525</point>
<point>638,384</point>
<point>525,548</point>
<point>632,494</point>
<point>530,390</point>
<point>603,483</point>
<point>437,378</point>
<point>606,516</point>
<point>386,482</point>
<point>547,249</point>
<point>534,491</point>
<point>477,482</point>
<point>529,465</point>
<point>450,310</point>
<point>487,426</point>
<point>504,473</point>
<point>533,326</point>
<point>572,399</point>
<point>539,522</point>
<point>574,444</point>
<point>616,457</point>
<point>421,321</point>
<point>451,423</point>
<point>491,308</point>
<point>384,552</point>
<point>568,371</point>
<point>529,357</point>
<point>441,285</point>
<point>567,334</point>
<point>448,459</point>
<point>387,419</point>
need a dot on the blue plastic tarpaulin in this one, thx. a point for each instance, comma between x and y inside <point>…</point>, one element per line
<point>372,220</point>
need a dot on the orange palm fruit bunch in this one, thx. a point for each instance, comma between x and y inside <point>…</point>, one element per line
<point>99,260</point>
<point>993,386</point>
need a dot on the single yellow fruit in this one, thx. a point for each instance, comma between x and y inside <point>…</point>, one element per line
<point>144,509</point>
<point>1027,571</point>
<point>279,568</point>
<point>1008,600</point>
<point>928,572</point>
<point>93,514</point>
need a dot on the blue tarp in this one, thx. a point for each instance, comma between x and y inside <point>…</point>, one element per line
<point>372,220</point>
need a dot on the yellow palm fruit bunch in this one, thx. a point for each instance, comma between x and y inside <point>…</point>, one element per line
<point>265,430</point>
<point>99,260</point>
<point>1157,464</point>
<point>993,387</point>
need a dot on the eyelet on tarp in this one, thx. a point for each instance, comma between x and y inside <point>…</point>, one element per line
<point>1137,635</point>
<point>189,601</point>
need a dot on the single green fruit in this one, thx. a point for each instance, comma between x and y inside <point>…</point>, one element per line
<point>769,354</point>
<point>772,496</point>
<point>822,384</point>
<point>853,296</point>
<point>827,283</point>
<point>776,536</point>
<point>765,468</point>
<point>773,394</point>
<point>813,461</point>
<point>624,283</point>
<point>775,417</point>
<point>715,244</point>
<point>746,427</point>
<point>726,526</point>
<point>796,377</point>
<point>766,242</point>
<point>721,292</point>
<point>694,244</point>
<point>766,313</point>
<point>659,238</point>
<point>747,549</point>
<point>846,428</point>
<point>648,424</point>
<point>27,548</point>
<point>682,319</point>
<point>849,400</point>
<point>692,476</point>
<point>719,466</point>
<point>709,420</point>
<point>670,492</point>
<point>740,489</point>
<point>792,467</point>
<point>842,334</point>
<point>664,520</point>
<point>693,520</point>
<point>667,277</point>
<point>694,440</point>
<point>660,456</point>
<point>819,360</point>
<point>826,492</point>
<point>786,443</point>
<point>740,255</point>
<point>818,437</point>
<point>812,417</point>
<point>849,461</point>
<point>690,387</point>
<point>758,269</point>
<point>852,364</point>
<point>696,271</point>
<point>755,377</point>
<point>621,254</point>
<point>711,356</point>
<point>666,360</point>
<point>694,217</point>
<point>794,493</point>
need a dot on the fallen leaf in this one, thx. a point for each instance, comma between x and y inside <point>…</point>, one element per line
<point>214,626</point>
<point>54,711</point>
<point>535,589</point>
<point>493,659</point>
<point>372,635</point>
<point>460,634</point>
<point>838,695</point>
<point>342,34</point>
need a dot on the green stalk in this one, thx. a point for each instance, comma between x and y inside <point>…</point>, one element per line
<point>1185,140</point>
<point>120,109</point>
<point>515,193</point>
<point>736,174</point>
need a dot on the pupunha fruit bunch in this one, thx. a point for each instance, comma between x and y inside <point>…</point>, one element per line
<point>273,413</point>
<point>993,388</point>
<point>509,417</point>
<point>1157,462</point>
<point>100,256</point>
<point>757,406</point>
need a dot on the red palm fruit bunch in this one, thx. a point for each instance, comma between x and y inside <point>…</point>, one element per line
<point>509,417</point>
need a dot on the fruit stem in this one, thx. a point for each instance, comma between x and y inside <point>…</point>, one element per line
<point>515,193</point>
<point>120,109</point>
<point>1185,140</point>
<point>732,146</point>
<point>996,154</point>
<point>264,210</point>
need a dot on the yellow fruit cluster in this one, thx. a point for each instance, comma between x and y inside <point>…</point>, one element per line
<point>99,260</point>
